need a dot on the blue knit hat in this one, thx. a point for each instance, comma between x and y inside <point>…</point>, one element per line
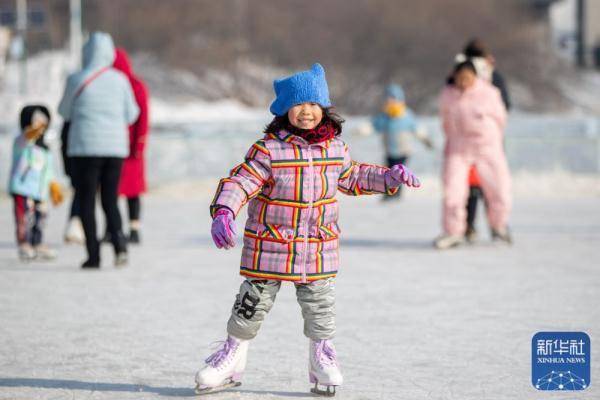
<point>303,87</point>
<point>395,92</point>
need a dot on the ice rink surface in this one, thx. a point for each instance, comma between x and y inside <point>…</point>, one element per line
<point>413,323</point>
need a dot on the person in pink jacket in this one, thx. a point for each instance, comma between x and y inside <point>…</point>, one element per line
<point>289,180</point>
<point>473,118</point>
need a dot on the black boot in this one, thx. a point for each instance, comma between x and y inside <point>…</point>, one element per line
<point>134,236</point>
<point>93,251</point>
<point>90,264</point>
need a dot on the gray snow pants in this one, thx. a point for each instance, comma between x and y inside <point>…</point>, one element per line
<point>256,298</point>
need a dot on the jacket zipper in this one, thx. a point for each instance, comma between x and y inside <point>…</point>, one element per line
<point>311,195</point>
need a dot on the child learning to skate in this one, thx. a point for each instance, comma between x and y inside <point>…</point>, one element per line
<point>473,119</point>
<point>398,125</point>
<point>289,180</point>
<point>32,182</point>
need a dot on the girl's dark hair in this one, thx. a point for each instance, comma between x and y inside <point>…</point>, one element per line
<point>282,122</point>
<point>459,67</point>
<point>27,114</point>
<point>464,65</point>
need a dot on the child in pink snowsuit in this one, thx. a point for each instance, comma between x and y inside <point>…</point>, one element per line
<point>473,118</point>
<point>289,180</point>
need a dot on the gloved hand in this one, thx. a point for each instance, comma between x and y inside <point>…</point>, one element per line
<point>398,175</point>
<point>56,193</point>
<point>223,229</point>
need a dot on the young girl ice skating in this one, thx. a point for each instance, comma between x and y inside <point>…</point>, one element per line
<point>398,125</point>
<point>289,180</point>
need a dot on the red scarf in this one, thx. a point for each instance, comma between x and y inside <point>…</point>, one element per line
<point>324,131</point>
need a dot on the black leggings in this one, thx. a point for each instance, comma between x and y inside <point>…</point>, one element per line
<point>105,172</point>
<point>475,193</point>
<point>69,169</point>
<point>75,206</point>
<point>134,206</point>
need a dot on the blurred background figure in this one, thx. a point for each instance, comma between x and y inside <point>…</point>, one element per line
<point>4,46</point>
<point>485,65</point>
<point>100,105</point>
<point>473,118</point>
<point>74,231</point>
<point>133,174</point>
<point>32,182</point>
<point>398,126</point>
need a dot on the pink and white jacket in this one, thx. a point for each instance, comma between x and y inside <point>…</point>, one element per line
<point>474,118</point>
<point>474,122</point>
<point>290,187</point>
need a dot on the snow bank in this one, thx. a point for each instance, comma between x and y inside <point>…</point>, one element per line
<point>192,139</point>
<point>179,112</point>
<point>47,73</point>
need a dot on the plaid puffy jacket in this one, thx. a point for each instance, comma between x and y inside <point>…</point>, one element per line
<point>290,187</point>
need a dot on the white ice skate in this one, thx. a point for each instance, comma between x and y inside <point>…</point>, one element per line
<point>74,232</point>
<point>323,368</point>
<point>446,241</point>
<point>26,252</point>
<point>224,368</point>
<point>45,253</point>
<point>501,235</point>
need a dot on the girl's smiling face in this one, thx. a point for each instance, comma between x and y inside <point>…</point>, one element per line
<point>305,115</point>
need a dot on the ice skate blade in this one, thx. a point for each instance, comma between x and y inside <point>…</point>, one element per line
<point>228,385</point>
<point>328,392</point>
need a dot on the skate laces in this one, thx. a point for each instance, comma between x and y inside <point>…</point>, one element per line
<point>325,353</point>
<point>227,348</point>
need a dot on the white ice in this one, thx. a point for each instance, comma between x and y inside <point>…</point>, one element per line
<point>413,323</point>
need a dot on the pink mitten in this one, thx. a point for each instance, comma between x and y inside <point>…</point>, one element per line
<point>398,175</point>
<point>223,229</point>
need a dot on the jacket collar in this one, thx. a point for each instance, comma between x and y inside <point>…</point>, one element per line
<point>287,137</point>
